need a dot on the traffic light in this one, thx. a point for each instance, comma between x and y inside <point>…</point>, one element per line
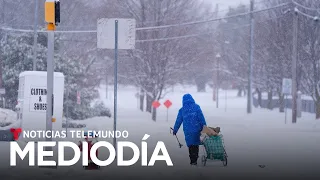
<point>52,13</point>
<point>57,12</point>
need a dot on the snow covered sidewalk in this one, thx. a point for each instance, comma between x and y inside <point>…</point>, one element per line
<point>8,119</point>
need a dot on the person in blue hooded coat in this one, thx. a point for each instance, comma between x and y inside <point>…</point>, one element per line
<point>191,116</point>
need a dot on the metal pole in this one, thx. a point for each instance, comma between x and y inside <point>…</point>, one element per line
<point>294,67</point>
<point>285,106</point>
<point>50,71</point>
<point>67,108</point>
<point>218,81</point>
<point>226,97</point>
<point>167,114</point>
<point>115,81</point>
<point>107,86</point>
<point>249,105</point>
<point>5,38</point>
<point>35,35</point>
<point>214,94</point>
<point>107,83</point>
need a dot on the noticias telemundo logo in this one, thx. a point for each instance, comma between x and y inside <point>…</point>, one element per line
<point>87,149</point>
<point>15,132</point>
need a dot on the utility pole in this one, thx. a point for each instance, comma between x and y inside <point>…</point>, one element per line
<point>249,105</point>
<point>35,35</point>
<point>225,59</point>
<point>218,80</point>
<point>294,66</point>
<point>3,34</point>
<point>218,56</point>
<point>214,85</point>
<point>2,60</point>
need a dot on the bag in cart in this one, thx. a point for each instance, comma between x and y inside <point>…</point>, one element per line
<point>214,149</point>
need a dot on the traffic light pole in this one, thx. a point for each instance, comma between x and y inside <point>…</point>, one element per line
<point>50,71</point>
<point>52,17</point>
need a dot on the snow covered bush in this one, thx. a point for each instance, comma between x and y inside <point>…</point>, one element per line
<point>99,109</point>
<point>72,125</point>
<point>7,117</point>
<point>4,124</point>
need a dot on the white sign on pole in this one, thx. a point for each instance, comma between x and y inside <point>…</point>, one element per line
<point>38,99</point>
<point>286,86</point>
<point>126,33</point>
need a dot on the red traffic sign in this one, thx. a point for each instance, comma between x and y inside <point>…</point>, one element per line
<point>168,103</point>
<point>156,104</point>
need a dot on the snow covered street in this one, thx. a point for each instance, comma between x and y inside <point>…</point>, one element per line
<point>251,140</point>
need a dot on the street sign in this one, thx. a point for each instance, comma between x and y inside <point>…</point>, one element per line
<point>286,86</point>
<point>78,97</point>
<point>116,33</point>
<point>156,104</point>
<point>126,33</point>
<point>168,103</point>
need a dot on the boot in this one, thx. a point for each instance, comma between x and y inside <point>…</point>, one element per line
<point>193,154</point>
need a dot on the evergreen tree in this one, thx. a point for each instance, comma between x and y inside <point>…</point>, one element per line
<point>16,56</point>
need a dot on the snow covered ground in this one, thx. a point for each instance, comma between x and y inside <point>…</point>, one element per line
<point>8,119</point>
<point>261,138</point>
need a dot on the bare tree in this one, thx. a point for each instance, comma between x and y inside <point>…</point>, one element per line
<point>309,55</point>
<point>156,62</point>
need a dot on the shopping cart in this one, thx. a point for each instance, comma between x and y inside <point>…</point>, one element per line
<point>214,150</point>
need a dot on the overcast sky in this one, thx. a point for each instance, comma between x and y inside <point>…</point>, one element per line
<point>224,4</point>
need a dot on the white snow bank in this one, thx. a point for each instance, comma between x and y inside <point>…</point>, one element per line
<point>8,119</point>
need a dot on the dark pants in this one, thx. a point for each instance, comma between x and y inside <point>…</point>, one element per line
<point>193,154</point>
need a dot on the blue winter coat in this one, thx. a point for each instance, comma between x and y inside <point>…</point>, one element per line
<point>193,120</point>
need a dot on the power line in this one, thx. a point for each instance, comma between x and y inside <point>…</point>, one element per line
<point>210,20</point>
<point>201,34</point>
<point>158,27</point>
<point>308,8</point>
<point>186,36</point>
<point>306,15</point>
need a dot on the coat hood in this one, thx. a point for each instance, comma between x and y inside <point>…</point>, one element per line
<point>187,99</point>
